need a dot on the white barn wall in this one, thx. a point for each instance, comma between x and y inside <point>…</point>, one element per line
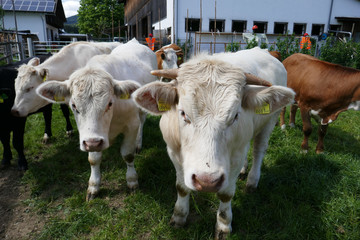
<point>25,21</point>
<point>270,11</point>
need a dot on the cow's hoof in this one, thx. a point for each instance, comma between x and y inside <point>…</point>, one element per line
<point>138,150</point>
<point>250,189</point>
<point>303,151</point>
<point>319,151</point>
<point>46,139</point>
<point>242,176</point>
<point>176,224</point>
<point>22,168</point>
<point>292,125</point>
<point>5,164</point>
<point>133,185</point>
<point>283,127</point>
<point>90,196</point>
<point>221,235</point>
<point>69,133</point>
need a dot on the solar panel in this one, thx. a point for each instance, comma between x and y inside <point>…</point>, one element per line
<point>30,5</point>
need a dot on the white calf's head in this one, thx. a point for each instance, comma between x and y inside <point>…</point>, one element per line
<point>169,58</point>
<point>91,94</point>
<point>214,108</point>
<point>29,78</point>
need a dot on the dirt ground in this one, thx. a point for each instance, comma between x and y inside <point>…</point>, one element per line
<point>17,221</point>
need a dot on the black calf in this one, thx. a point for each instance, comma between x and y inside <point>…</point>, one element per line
<point>9,123</point>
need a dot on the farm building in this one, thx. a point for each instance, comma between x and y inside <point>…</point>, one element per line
<point>210,25</point>
<point>41,17</point>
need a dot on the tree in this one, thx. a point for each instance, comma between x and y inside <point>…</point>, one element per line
<point>98,17</point>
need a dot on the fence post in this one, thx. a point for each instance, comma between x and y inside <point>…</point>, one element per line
<point>30,47</point>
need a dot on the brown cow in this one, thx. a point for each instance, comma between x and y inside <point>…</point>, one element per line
<point>323,90</point>
<point>169,56</point>
<point>276,55</point>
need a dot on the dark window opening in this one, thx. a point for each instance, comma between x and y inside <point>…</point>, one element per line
<point>262,27</point>
<point>280,28</point>
<point>317,29</point>
<point>238,26</point>
<point>220,25</point>
<point>193,25</point>
<point>299,28</point>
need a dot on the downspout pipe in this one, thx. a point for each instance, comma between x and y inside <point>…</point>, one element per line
<point>331,7</point>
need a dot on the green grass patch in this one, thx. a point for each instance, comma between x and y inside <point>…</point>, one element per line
<point>300,196</point>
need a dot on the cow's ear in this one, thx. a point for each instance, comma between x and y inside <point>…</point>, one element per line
<point>156,97</point>
<point>34,62</point>
<point>44,73</point>
<point>266,100</point>
<point>54,91</point>
<point>124,89</point>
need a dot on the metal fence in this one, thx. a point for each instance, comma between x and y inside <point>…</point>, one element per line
<point>11,51</point>
<point>41,48</point>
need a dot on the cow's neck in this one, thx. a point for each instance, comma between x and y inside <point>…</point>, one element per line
<point>58,68</point>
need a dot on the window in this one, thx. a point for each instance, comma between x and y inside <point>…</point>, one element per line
<point>193,25</point>
<point>280,28</point>
<point>262,27</point>
<point>238,26</point>
<point>299,28</point>
<point>317,29</point>
<point>335,27</point>
<point>220,25</point>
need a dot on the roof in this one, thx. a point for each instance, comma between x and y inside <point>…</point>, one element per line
<point>44,6</point>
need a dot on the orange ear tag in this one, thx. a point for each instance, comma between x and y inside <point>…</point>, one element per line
<point>163,106</point>
<point>264,109</point>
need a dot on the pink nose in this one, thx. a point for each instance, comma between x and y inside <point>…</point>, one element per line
<point>93,144</point>
<point>207,183</point>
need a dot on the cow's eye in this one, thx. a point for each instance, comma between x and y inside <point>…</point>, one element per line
<point>28,89</point>
<point>109,106</point>
<point>74,108</point>
<point>235,118</point>
<point>184,116</point>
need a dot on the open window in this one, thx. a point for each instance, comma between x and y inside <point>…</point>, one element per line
<point>220,25</point>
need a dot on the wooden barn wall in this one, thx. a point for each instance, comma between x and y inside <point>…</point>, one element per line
<point>144,8</point>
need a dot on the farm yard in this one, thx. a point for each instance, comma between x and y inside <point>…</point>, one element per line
<point>300,196</point>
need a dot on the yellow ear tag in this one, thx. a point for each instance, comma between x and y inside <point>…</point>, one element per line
<point>163,106</point>
<point>44,79</point>
<point>264,109</point>
<point>179,58</point>
<point>1,100</point>
<point>59,99</point>
<point>125,96</point>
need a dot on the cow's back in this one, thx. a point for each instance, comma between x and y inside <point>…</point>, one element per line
<point>314,80</point>
<point>258,62</point>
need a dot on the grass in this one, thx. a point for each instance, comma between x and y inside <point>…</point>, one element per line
<point>300,196</point>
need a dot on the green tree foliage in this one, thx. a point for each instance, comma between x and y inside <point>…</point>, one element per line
<point>345,53</point>
<point>96,17</point>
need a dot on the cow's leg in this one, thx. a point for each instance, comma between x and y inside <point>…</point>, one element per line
<point>321,133</point>
<point>181,209</point>
<point>18,142</point>
<point>259,149</point>
<point>224,213</point>
<point>246,163</point>
<point>139,136</point>
<point>66,113</point>
<point>307,129</point>
<point>95,175</point>
<point>47,113</point>
<point>282,118</point>
<point>5,140</point>
<point>127,150</point>
<point>293,110</point>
